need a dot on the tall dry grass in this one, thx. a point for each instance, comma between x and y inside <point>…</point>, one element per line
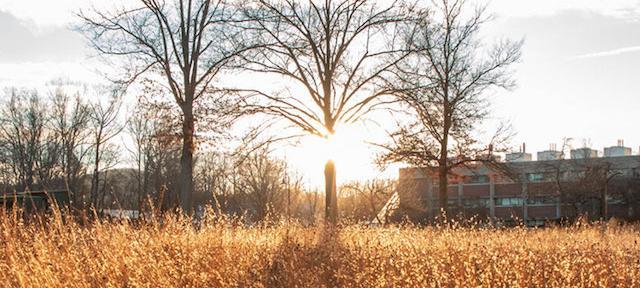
<point>170,252</point>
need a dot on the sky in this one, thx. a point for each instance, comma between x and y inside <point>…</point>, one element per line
<point>578,76</point>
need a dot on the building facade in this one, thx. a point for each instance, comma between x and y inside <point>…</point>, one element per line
<point>534,192</point>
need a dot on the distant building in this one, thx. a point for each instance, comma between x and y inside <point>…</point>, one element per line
<point>549,155</point>
<point>518,157</point>
<point>583,153</point>
<point>533,191</point>
<point>617,151</point>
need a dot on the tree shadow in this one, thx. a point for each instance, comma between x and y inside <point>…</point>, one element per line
<point>305,257</point>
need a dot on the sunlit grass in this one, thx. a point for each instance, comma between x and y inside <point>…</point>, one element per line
<point>170,252</point>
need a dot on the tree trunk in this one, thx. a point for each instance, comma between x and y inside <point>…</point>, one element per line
<point>331,203</point>
<point>186,161</point>
<point>443,180</point>
<point>442,187</point>
<point>603,200</point>
<point>103,193</point>
<point>95,183</point>
<point>443,168</point>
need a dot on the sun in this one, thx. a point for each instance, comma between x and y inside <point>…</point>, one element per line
<point>334,147</point>
<point>347,148</point>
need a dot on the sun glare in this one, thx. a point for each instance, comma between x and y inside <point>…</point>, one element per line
<point>313,152</point>
<point>334,147</point>
<point>347,148</point>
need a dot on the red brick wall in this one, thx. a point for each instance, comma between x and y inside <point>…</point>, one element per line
<point>476,190</point>
<point>546,188</point>
<point>452,191</point>
<point>412,194</point>
<point>618,211</point>
<point>542,212</point>
<point>514,189</point>
<point>508,212</point>
<point>481,213</point>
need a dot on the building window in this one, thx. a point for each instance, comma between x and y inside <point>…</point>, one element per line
<point>476,203</point>
<point>479,179</point>
<point>578,174</point>
<point>618,172</point>
<point>509,201</point>
<point>541,200</point>
<point>616,199</point>
<point>535,177</point>
<point>535,223</point>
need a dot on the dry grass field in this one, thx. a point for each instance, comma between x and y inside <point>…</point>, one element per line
<point>60,253</point>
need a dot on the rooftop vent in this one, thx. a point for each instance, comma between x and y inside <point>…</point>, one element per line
<point>523,148</point>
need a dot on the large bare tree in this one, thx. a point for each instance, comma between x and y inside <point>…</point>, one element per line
<point>444,82</point>
<point>332,55</point>
<point>181,45</point>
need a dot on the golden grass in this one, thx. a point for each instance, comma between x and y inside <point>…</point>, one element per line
<point>61,253</point>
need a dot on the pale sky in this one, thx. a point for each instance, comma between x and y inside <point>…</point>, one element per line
<point>579,74</point>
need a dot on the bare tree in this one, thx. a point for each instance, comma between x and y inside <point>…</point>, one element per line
<point>105,126</point>
<point>266,185</point>
<point>69,122</point>
<point>337,52</point>
<point>444,82</point>
<point>44,147</point>
<point>140,128</point>
<point>186,43</point>
<point>367,198</point>
<point>582,185</point>
<point>309,206</point>
<point>163,152</point>
<point>213,170</point>
<point>31,151</point>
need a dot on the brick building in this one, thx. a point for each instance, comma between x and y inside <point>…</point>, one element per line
<point>535,191</point>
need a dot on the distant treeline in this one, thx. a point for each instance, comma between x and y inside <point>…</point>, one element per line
<point>109,160</point>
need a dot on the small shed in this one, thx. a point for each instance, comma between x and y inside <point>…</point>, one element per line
<point>34,201</point>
